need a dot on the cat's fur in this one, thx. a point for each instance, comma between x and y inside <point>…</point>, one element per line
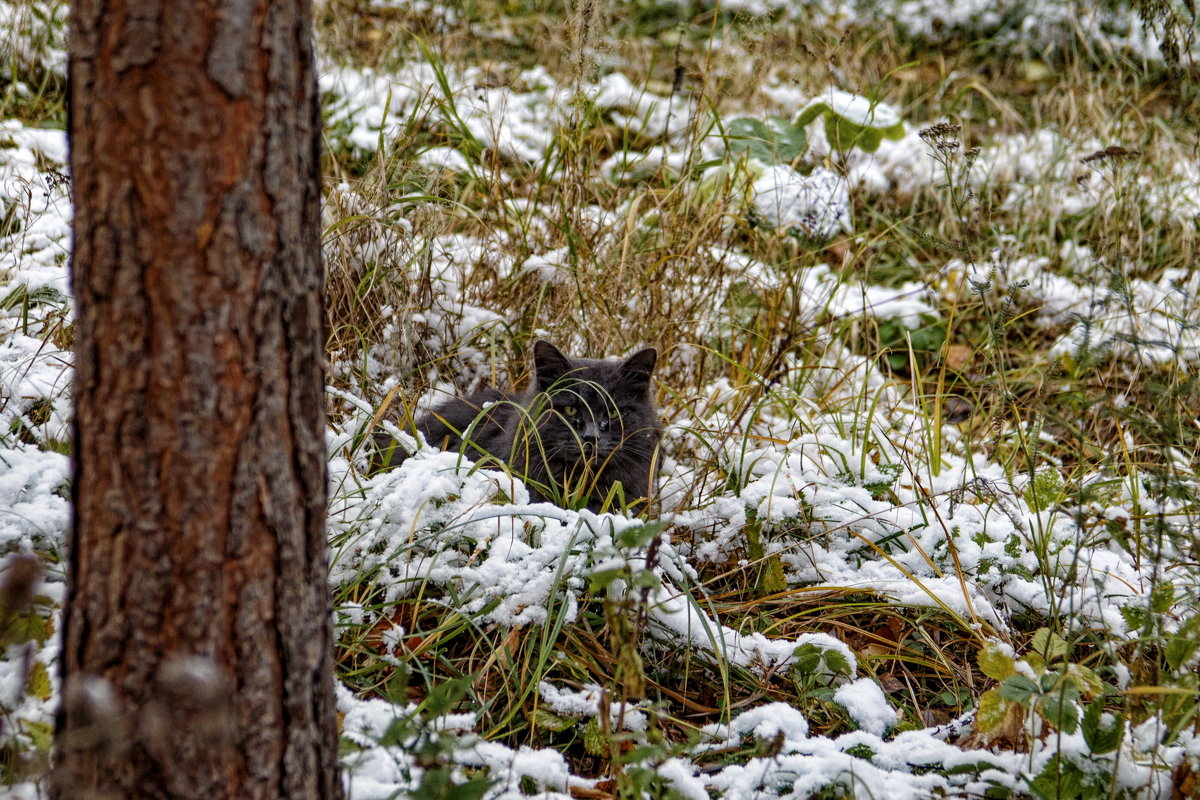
<point>582,426</point>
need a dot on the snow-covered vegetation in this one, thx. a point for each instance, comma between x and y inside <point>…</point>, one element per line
<point>923,279</point>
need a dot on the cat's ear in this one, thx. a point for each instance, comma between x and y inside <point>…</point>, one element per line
<point>549,364</point>
<point>638,367</point>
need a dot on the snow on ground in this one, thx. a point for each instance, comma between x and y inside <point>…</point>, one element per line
<point>1030,26</point>
<point>835,495</point>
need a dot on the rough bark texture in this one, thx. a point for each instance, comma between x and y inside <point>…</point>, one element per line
<point>197,637</point>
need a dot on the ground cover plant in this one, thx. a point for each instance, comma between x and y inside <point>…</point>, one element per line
<point>922,280</point>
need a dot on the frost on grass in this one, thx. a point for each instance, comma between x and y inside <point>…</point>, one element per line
<point>437,524</point>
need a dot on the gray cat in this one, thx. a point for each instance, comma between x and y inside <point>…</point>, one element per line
<point>581,428</point>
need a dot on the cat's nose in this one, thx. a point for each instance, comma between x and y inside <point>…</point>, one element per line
<point>590,432</point>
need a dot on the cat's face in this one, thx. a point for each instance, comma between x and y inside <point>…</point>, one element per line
<point>597,414</point>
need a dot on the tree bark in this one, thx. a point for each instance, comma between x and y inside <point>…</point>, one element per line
<point>197,638</point>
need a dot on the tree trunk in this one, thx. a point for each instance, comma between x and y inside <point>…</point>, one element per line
<point>196,654</point>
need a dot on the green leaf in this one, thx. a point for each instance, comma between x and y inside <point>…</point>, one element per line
<point>544,718</point>
<point>40,733</point>
<point>771,578</point>
<point>775,141</point>
<point>1044,491</point>
<point>927,339</point>
<point>645,579</point>
<point>808,659</point>
<point>1085,680</point>
<point>27,626</point>
<point>810,112</point>
<point>1059,710</point>
<point>995,662</point>
<point>1180,649</point>
<point>1049,645</point>
<point>1162,598</point>
<point>1035,662</point>
<point>844,135</point>
<point>471,790</point>
<point>38,684</point>
<point>860,750</point>
<point>640,536</point>
<point>602,579</point>
<point>1019,689</point>
<point>640,753</point>
<point>445,696</point>
<point>970,768</point>
<point>1101,738</point>
<point>836,663</point>
<point>1136,617</point>
<point>1058,780</point>
<point>789,141</point>
<point>852,121</point>
<point>992,711</point>
<point>593,739</point>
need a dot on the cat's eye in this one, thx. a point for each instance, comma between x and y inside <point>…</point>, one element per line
<point>613,413</point>
<point>570,411</point>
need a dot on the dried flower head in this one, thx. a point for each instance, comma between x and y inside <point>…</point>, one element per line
<point>1113,152</point>
<point>942,136</point>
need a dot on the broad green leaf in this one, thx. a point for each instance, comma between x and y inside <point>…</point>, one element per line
<point>40,733</point>
<point>1101,738</point>
<point>640,535</point>
<point>775,141</point>
<point>38,684</point>
<point>544,718</point>
<point>471,790</point>
<point>27,626</point>
<point>995,662</point>
<point>1058,780</point>
<point>808,659</point>
<point>1049,645</point>
<point>602,579</point>
<point>1019,688</point>
<point>1085,679</point>
<point>646,579</point>
<point>836,663</point>
<point>844,135</point>
<point>1060,711</point>
<point>790,141</point>
<point>1162,598</point>
<point>771,578</point>
<point>1136,617</point>
<point>852,120</point>
<point>1180,649</point>
<point>992,711</point>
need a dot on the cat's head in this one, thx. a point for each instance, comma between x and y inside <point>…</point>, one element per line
<point>596,411</point>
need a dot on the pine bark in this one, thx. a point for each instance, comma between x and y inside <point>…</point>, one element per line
<point>196,653</point>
